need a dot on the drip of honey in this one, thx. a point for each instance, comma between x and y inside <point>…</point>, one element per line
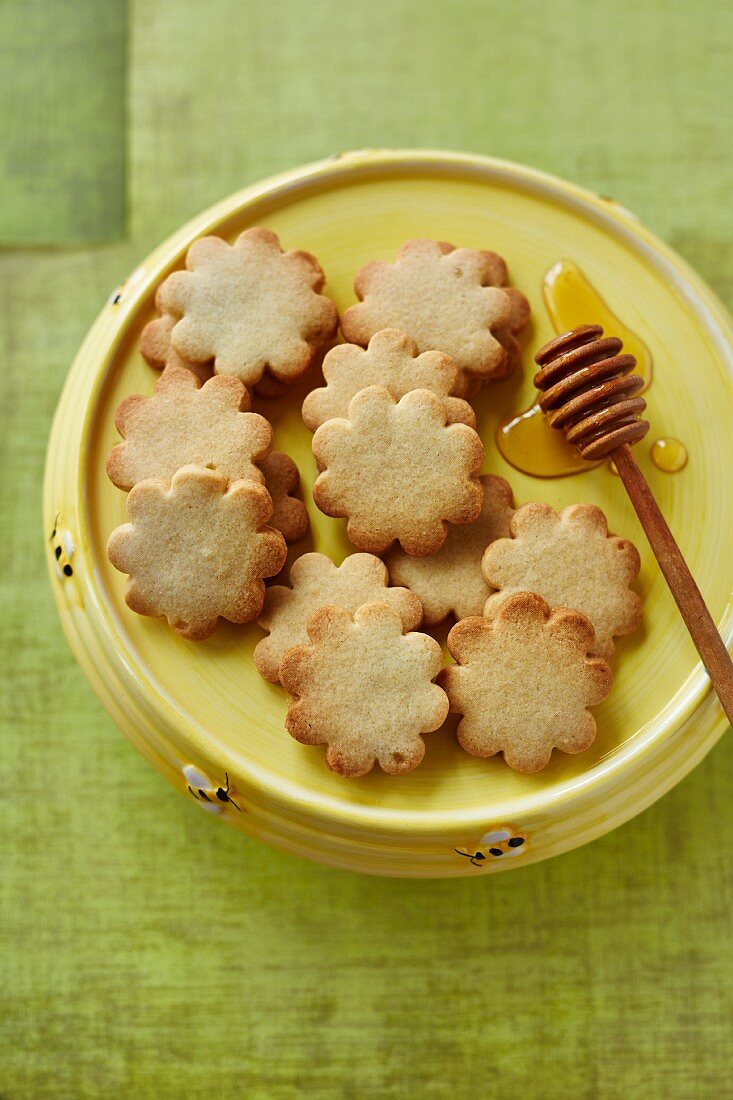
<point>669,455</point>
<point>526,441</point>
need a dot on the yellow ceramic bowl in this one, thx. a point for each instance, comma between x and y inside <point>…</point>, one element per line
<point>200,712</point>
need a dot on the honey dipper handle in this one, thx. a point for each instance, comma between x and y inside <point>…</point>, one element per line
<point>693,608</point>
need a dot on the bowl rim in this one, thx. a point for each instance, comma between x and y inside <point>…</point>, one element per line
<point>111,327</point>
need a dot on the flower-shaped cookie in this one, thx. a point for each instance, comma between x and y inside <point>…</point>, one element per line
<point>197,551</point>
<point>249,306</point>
<point>282,479</point>
<point>571,561</point>
<point>398,470</point>
<point>365,689</point>
<point>184,425</point>
<point>451,581</point>
<point>317,582</point>
<point>524,681</point>
<point>392,361</point>
<point>442,297</point>
<point>158,352</point>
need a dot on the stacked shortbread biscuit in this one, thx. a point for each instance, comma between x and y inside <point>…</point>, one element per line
<point>537,596</point>
<point>211,505</point>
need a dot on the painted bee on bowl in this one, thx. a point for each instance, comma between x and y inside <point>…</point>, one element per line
<point>499,842</point>
<point>63,549</point>
<point>209,795</point>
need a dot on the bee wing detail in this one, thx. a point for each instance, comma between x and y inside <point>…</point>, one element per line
<point>197,779</point>
<point>494,837</point>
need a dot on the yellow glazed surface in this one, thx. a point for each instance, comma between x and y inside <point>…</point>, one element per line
<point>205,705</point>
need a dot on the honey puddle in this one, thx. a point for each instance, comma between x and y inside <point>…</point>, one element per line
<point>526,441</point>
<point>669,455</point>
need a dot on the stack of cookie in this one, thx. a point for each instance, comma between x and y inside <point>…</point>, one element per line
<point>538,597</point>
<point>211,505</point>
<point>346,648</point>
<point>394,435</point>
<point>531,664</point>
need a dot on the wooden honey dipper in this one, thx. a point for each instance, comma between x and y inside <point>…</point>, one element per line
<point>589,393</point>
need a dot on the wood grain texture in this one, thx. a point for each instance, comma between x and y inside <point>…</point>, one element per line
<point>688,598</point>
<point>145,950</point>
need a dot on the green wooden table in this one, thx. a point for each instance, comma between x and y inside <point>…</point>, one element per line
<point>145,951</point>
